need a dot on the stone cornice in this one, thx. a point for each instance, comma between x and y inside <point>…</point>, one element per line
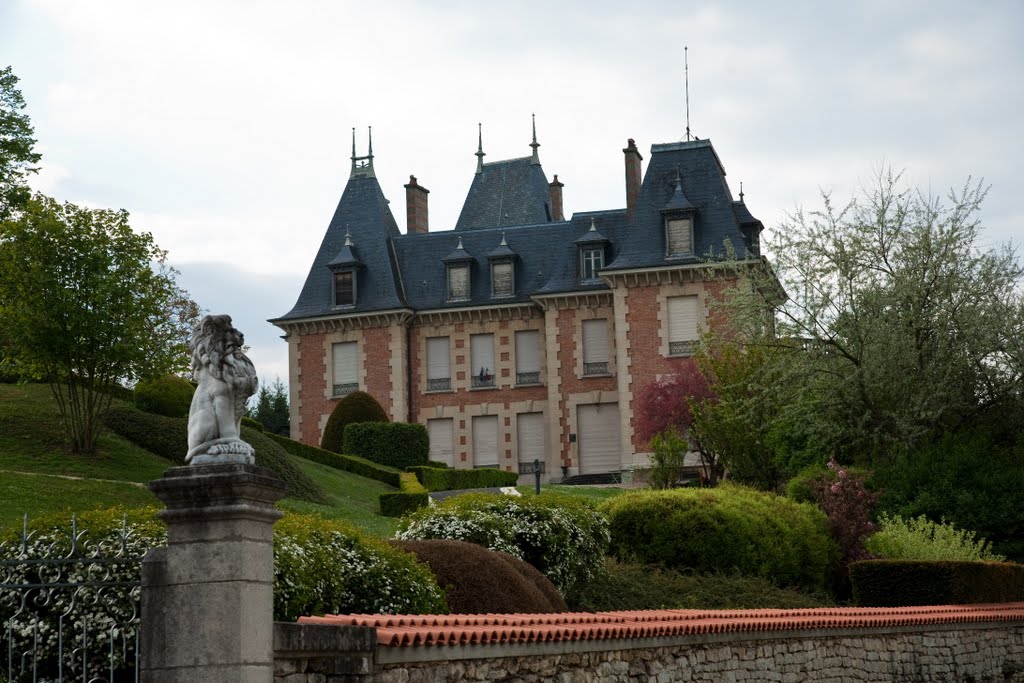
<point>591,299</point>
<point>345,321</point>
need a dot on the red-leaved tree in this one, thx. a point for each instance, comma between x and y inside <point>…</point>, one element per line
<point>670,403</point>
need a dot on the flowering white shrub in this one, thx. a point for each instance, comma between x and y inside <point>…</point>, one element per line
<point>563,537</point>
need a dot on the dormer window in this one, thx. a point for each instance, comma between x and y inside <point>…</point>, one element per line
<point>679,236</point>
<point>458,282</point>
<point>344,267</point>
<point>592,260</point>
<point>344,288</point>
<point>502,279</point>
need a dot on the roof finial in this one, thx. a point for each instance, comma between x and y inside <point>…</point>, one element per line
<point>741,190</point>
<point>353,145</point>
<point>593,225</point>
<point>460,247</point>
<point>534,144</point>
<point>362,167</point>
<point>503,242</point>
<point>348,237</point>
<point>369,133</point>
<point>686,73</point>
<point>480,148</point>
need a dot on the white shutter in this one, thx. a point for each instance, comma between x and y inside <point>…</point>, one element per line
<point>346,367</point>
<point>679,236</point>
<point>437,358</point>
<point>530,430</point>
<point>458,282</point>
<point>485,441</point>
<point>482,353</point>
<point>440,432</point>
<point>595,341</point>
<point>527,351</point>
<point>598,438</point>
<point>682,319</point>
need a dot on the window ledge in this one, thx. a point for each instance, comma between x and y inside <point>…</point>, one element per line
<point>492,387</point>
<point>528,384</point>
<point>597,374</point>
<point>439,391</point>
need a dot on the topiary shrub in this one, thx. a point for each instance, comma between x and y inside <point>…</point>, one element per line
<point>726,529</point>
<point>253,424</point>
<point>410,497</point>
<point>396,444</point>
<point>348,463</point>
<point>358,406</point>
<point>446,479</point>
<point>168,438</point>
<point>562,536</point>
<point>481,581</point>
<point>168,395</point>
<point>901,583</point>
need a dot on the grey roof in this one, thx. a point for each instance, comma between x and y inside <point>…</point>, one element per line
<point>411,270</point>
<point>507,193</point>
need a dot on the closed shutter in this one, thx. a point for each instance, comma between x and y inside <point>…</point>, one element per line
<point>679,236</point>
<point>485,441</point>
<point>598,438</point>
<point>530,430</point>
<point>438,368</point>
<point>440,432</point>
<point>458,282</point>
<point>346,367</point>
<point>595,347</point>
<point>682,319</point>
<point>501,273</point>
<point>481,354</point>
<point>528,357</point>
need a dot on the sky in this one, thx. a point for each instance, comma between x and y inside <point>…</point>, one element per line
<point>224,127</point>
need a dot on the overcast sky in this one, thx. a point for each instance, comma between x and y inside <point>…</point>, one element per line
<point>225,127</point>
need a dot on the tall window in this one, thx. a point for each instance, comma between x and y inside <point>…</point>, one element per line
<point>679,233</point>
<point>683,325</point>
<point>345,368</point>
<point>481,353</point>
<point>439,374</point>
<point>595,347</point>
<point>502,283</point>
<point>344,288</point>
<point>593,261</point>
<point>458,283</point>
<point>528,357</point>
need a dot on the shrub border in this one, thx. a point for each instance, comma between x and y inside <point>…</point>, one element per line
<point>445,479</point>
<point>904,583</point>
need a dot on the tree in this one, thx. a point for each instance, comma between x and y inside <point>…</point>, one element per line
<point>905,327</point>
<point>271,407</point>
<point>86,303</point>
<point>17,157</point>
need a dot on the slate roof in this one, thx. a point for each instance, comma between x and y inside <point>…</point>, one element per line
<point>506,193</point>
<point>410,271</point>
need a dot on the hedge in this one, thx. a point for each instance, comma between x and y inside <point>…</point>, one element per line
<point>901,583</point>
<point>168,438</point>
<point>397,444</point>
<point>411,497</point>
<point>167,395</point>
<point>358,406</point>
<point>435,479</point>
<point>348,463</point>
<point>725,529</point>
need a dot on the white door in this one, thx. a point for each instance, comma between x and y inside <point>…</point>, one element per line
<point>485,441</point>
<point>530,430</point>
<point>598,438</point>
<point>440,432</point>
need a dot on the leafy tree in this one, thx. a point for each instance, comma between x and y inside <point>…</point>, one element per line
<point>905,326</point>
<point>270,407</point>
<point>16,144</point>
<point>86,303</point>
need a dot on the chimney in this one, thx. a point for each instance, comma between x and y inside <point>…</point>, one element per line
<point>556,199</point>
<point>415,207</point>
<point>633,178</point>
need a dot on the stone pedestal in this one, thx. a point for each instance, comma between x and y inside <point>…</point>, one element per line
<point>207,598</point>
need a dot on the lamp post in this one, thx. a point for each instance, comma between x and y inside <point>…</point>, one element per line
<point>537,469</point>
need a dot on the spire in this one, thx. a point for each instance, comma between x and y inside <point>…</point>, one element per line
<point>741,190</point>
<point>353,146</point>
<point>534,144</point>
<point>362,167</point>
<point>480,148</point>
<point>369,133</point>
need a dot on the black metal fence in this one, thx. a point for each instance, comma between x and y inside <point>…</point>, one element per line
<point>69,607</point>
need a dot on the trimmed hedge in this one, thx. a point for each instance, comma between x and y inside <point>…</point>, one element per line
<point>168,395</point>
<point>729,529</point>
<point>902,583</point>
<point>358,406</point>
<point>411,497</point>
<point>396,444</point>
<point>436,479</point>
<point>348,463</point>
<point>249,422</point>
<point>168,438</point>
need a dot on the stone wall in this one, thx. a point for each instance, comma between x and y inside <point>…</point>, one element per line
<point>958,652</point>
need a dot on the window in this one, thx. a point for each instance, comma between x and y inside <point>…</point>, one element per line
<point>502,282</point>
<point>344,288</point>
<point>481,352</point>
<point>528,357</point>
<point>683,325</point>
<point>458,283</point>
<point>441,440</point>
<point>485,441</point>
<point>595,347</point>
<point>680,236</point>
<point>593,261</point>
<point>346,368</point>
<point>439,374</point>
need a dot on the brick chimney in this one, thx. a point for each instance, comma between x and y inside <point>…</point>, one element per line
<point>556,199</point>
<point>415,207</point>
<point>633,178</point>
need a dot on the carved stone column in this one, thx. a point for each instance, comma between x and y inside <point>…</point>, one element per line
<point>207,597</point>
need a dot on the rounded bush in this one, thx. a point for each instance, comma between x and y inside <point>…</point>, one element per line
<point>481,581</point>
<point>358,406</point>
<point>562,536</point>
<point>168,395</point>
<point>253,424</point>
<point>726,529</point>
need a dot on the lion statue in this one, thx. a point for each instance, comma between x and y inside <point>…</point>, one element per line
<point>226,379</point>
